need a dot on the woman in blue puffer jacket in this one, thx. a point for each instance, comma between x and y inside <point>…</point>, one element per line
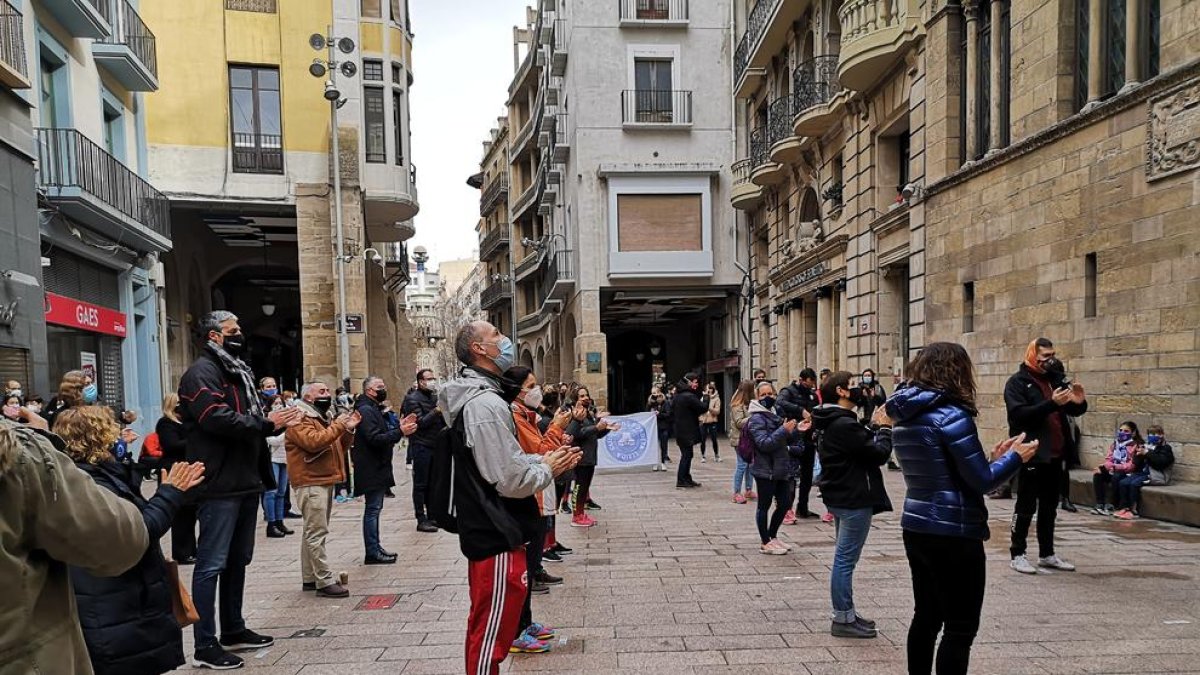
<point>945,520</point>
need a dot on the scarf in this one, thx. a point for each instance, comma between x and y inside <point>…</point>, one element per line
<point>1031,358</point>
<point>238,368</point>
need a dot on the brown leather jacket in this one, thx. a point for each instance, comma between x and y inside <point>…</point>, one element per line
<point>315,450</point>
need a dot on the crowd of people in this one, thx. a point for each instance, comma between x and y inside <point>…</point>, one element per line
<point>496,457</point>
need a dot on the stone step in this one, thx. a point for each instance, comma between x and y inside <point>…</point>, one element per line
<point>1179,503</point>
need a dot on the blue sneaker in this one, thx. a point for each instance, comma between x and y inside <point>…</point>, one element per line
<point>538,631</point>
<point>528,645</point>
<point>341,499</point>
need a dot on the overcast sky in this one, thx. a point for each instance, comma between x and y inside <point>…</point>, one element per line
<point>463,62</point>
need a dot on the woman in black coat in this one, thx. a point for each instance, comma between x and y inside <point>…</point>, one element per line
<point>173,441</point>
<point>586,430</point>
<point>128,621</point>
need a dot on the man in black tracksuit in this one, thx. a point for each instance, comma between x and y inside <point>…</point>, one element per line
<point>422,402</point>
<point>686,409</point>
<point>794,400</point>
<point>1039,399</point>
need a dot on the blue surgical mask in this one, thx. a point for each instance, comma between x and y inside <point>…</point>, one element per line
<point>1154,439</point>
<point>1124,436</point>
<point>507,356</point>
<point>90,394</point>
<point>269,393</point>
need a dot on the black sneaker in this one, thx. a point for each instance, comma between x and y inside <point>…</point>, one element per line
<point>552,556</point>
<point>216,658</point>
<point>246,639</point>
<point>565,508</point>
<point>309,586</point>
<point>186,560</point>
<point>292,514</point>
<point>284,528</point>
<point>592,506</point>
<point>426,526</point>
<point>562,550</point>
<point>544,577</point>
<point>866,622</point>
<point>893,466</point>
<point>855,629</point>
<point>275,532</point>
<point>538,588</point>
<point>380,560</point>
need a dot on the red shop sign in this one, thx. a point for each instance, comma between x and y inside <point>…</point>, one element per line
<point>64,311</point>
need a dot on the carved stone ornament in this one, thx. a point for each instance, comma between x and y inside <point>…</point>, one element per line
<point>1173,139</point>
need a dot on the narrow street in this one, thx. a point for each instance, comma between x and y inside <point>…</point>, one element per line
<point>672,582</point>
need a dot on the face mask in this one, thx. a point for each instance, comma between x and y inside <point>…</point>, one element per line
<point>235,344</point>
<point>12,412</point>
<point>270,393</point>
<point>323,404</point>
<point>1124,436</point>
<point>1154,439</point>
<point>35,407</point>
<point>16,392</point>
<point>767,402</point>
<point>533,397</point>
<point>507,355</point>
<point>381,395</point>
<point>867,379</point>
<point>90,394</point>
<point>430,386</point>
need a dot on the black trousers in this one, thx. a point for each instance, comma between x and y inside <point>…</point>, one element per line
<point>805,480</point>
<point>1105,485</point>
<point>183,533</point>
<point>948,577</point>
<point>684,475</point>
<point>1037,492</point>
<point>421,456</point>
<point>583,483</point>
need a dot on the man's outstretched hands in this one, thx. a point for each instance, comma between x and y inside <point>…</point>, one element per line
<point>562,459</point>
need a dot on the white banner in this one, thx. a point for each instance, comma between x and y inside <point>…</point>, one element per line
<point>634,444</point>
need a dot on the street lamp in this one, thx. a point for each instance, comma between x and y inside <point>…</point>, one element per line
<point>319,69</point>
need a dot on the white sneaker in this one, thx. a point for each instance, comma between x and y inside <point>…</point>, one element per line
<point>1055,562</point>
<point>704,460</point>
<point>1022,565</point>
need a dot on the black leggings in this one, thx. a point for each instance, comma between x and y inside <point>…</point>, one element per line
<point>583,481</point>
<point>807,464</point>
<point>779,491</point>
<point>709,432</point>
<point>948,577</point>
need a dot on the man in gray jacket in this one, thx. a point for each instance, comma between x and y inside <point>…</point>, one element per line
<point>494,486</point>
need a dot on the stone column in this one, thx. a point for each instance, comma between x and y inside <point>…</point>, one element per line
<point>996,130</point>
<point>825,334</point>
<point>795,340</point>
<point>591,340</point>
<point>971,10</point>
<point>783,357</point>
<point>1133,52</point>
<point>1095,52</point>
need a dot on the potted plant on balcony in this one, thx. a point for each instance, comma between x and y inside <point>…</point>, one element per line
<point>833,199</point>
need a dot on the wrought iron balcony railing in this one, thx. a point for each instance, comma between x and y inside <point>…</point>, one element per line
<point>257,153</point>
<point>12,43</point>
<point>496,191</point>
<point>496,292</point>
<point>756,23</point>
<point>815,82</point>
<point>760,147</point>
<point>779,117</point>
<point>656,107</point>
<point>131,31</point>
<point>495,239</point>
<point>654,10</point>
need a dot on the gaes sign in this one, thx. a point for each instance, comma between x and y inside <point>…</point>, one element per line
<point>64,311</point>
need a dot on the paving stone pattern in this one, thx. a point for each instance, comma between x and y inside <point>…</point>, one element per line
<point>671,581</point>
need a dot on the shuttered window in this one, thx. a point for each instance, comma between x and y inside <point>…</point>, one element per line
<point>659,222</point>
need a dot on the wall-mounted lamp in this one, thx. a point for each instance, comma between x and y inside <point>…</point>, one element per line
<point>21,278</point>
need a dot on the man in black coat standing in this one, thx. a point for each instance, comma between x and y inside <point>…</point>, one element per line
<point>422,402</point>
<point>374,441</point>
<point>226,429</point>
<point>686,409</point>
<point>797,401</point>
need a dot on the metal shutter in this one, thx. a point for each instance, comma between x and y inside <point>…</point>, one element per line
<point>75,277</point>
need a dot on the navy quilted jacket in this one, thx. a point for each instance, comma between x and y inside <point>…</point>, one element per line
<point>945,467</point>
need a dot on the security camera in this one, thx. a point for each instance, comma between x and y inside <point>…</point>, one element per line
<point>341,102</point>
<point>912,191</point>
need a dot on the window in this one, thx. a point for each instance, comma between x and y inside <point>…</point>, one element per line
<point>1082,63</point>
<point>53,105</point>
<point>372,70</point>
<point>968,307</point>
<point>1089,285</point>
<point>395,15</point>
<point>257,125</point>
<point>114,132</point>
<point>397,74</point>
<point>983,81</point>
<point>397,125</point>
<point>1125,57</point>
<point>652,91</point>
<point>1114,46</point>
<point>903,157</point>
<point>372,9</point>
<point>649,222</point>
<point>375,127</point>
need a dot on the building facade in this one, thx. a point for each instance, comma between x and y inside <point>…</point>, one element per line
<point>624,254</point>
<point>86,226</point>
<point>458,303</point>
<point>252,185</point>
<point>495,231</point>
<point>907,178</point>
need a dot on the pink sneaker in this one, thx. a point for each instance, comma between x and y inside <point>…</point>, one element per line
<point>583,520</point>
<point>1124,514</point>
<point>789,518</point>
<point>827,518</point>
<point>738,498</point>
<point>751,495</point>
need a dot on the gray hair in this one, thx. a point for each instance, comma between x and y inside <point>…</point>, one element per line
<point>211,322</point>
<point>308,387</point>
<point>467,335</point>
<point>764,383</point>
<point>368,380</point>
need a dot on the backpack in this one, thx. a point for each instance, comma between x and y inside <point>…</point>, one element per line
<point>745,446</point>
<point>439,490</point>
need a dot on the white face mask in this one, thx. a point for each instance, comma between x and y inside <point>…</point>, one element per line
<point>533,397</point>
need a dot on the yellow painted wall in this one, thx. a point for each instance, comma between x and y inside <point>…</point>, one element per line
<point>370,37</point>
<point>198,39</point>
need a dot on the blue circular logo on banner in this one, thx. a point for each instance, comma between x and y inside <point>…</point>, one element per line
<point>627,445</point>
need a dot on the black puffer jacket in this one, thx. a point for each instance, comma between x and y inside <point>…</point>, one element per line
<point>429,421</point>
<point>793,400</point>
<point>173,441</point>
<point>222,433</point>
<point>374,442</point>
<point>686,409</point>
<point>851,455</point>
<point>127,621</point>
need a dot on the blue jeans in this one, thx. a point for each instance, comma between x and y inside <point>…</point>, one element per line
<point>274,502</point>
<point>224,549</point>
<point>741,475</point>
<point>1129,490</point>
<point>852,527</point>
<point>370,522</point>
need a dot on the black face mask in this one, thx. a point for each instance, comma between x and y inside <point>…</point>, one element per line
<point>235,344</point>
<point>381,395</point>
<point>323,404</point>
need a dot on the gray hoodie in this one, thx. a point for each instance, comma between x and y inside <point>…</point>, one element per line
<point>492,435</point>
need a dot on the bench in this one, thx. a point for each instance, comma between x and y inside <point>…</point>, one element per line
<point>1178,503</point>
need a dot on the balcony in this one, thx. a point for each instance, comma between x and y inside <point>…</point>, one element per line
<point>82,18</point>
<point>494,241</point>
<point>744,195</point>
<point>493,194</point>
<point>819,103</point>
<point>12,48</point>
<point>497,291</point>
<point>874,36</point>
<point>763,171</point>
<point>558,49</point>
<point>654,13</point>
<point>560,142</point>
<point>390,202</point>
<point>527,264</point>
<point>257,153</point>
<point>129,52</point>
<point>548,199</point>
<point>652,109</point>
<point>556,282</point>
<point>768,29</point>
<point>527,199</point>
<point>522,142</point>
<point>95,188</point>
<point>785,145</point>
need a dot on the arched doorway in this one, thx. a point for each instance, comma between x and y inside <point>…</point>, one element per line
<point>266,300</point>
<point>632,370</point>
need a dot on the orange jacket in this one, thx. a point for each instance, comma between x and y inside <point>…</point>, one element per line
<point>531,438</point>
<point>315,449</point>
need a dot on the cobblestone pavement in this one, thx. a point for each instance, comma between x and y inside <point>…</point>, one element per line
<point>671,581</point>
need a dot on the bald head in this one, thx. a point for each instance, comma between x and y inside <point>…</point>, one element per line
<point>468,336</point>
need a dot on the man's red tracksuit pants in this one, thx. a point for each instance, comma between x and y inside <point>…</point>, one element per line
<point>498,588</point>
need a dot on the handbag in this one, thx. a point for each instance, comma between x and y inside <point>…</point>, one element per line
<point>181,602</point>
